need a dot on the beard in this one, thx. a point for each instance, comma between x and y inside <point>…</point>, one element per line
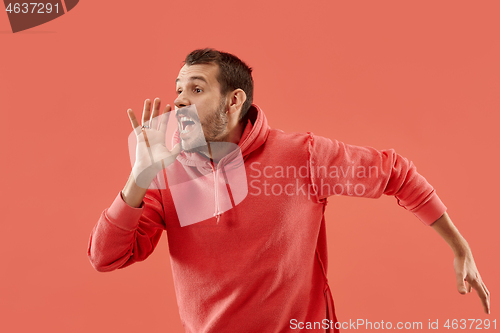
<point>212,129</point>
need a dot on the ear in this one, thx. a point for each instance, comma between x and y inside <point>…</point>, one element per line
<point>237,98</point>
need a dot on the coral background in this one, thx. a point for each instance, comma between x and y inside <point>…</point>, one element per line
<point>420,77</point>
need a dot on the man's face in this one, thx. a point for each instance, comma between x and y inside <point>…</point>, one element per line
<point>197,85</point>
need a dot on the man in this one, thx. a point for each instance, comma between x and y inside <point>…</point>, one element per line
<point>257,264</point>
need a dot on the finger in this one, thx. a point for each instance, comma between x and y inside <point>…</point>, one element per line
<point>164,119</point>
<point>469,287</point>
<point>486,289</point>
<point>485,299</point>
<point>146,112</point>
<point>486,304</point>
<point>487,294</point>
<point>134,122</point>
<point>156,113</point>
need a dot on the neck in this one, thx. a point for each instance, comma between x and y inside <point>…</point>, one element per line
<point>236,132</point>
<point>234,136</point>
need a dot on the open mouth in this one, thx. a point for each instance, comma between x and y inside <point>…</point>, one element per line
<point>186,124</point>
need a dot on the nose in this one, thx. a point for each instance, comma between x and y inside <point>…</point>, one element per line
<point>181,101</point>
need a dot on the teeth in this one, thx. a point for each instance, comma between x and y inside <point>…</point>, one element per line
<point>182,119</point>
<point>184,130</point>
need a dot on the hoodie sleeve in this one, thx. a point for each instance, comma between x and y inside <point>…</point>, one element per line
<point>124,235</point>
<point>341,169</point>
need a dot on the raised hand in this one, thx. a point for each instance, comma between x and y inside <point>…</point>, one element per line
<point>151,153</point>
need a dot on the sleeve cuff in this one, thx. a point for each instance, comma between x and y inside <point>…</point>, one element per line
<point>122,215</point>
<point>431,210</point>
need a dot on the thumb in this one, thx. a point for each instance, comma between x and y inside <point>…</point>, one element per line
<point>169,158</point>
<point>176,149</point>
<point>460,275</point>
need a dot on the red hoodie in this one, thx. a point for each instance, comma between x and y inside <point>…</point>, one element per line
<point>260,266</point>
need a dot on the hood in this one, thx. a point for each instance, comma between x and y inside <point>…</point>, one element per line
<point>223,183</point>
<point>254,135</point>
<point>256,131</point>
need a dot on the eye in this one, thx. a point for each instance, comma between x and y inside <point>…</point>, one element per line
<point>197,90</point>
<point>179,91</point>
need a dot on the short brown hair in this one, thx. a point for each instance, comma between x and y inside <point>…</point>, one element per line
<point>233,73</point>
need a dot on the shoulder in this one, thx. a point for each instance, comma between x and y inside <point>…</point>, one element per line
<point>297,139</point>
<point>279,136</point>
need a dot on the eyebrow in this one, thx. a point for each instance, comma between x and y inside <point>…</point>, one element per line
<point>192,78</point>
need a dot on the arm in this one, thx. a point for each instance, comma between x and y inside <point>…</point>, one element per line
<point>367,172</point>
<point>466,272</point>
<point>129,230</point>
<point>124,234</point>
<point>396,176</point>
